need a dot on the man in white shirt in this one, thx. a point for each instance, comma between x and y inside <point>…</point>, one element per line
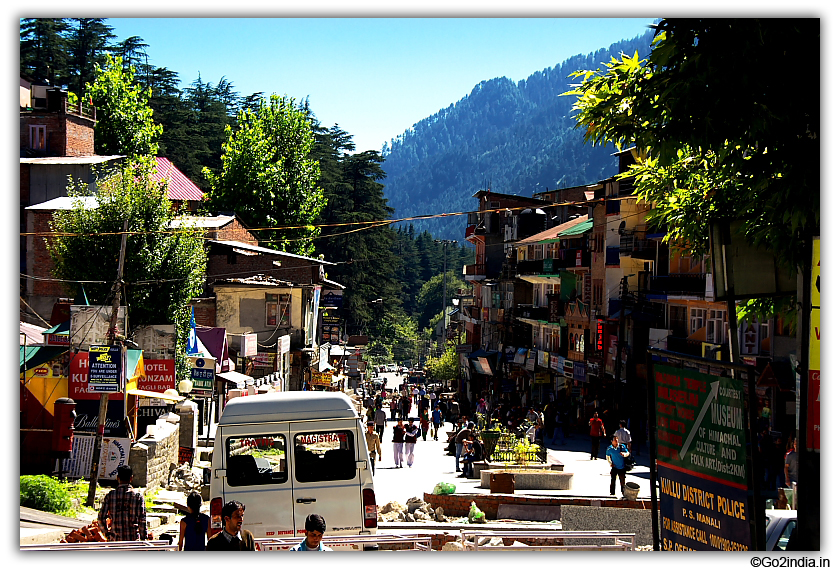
<point>623,434</point>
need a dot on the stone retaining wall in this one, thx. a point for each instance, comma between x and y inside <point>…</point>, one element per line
<point>576,513</point>
<point>458,505</point>
<point>153,456</point>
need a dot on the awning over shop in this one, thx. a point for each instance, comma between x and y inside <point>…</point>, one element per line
<point>578,229</point>
<point>33,333</point>
<point>158,395</point>
<point>236,378</point>
<point>32,356</point>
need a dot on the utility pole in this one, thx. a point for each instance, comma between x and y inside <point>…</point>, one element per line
<point>103,397</point>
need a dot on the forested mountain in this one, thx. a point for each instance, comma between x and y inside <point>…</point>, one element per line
<point>516,138</point>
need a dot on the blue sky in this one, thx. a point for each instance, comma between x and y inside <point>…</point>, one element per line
<point>375,77</point>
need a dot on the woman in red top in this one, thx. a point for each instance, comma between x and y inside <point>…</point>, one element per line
<point>596,432</point>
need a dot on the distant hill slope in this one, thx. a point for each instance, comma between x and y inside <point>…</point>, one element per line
<point>517,137</point>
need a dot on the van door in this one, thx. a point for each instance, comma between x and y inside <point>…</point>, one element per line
<point>325,475</point>
<point>257,475</point>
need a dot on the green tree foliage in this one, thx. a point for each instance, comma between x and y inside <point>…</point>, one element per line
<point>43,49</point>
<point>718,134</point>
<point>163,269</point>
<point>268,177</point>
<point>445,367</point>
<point>353,195</point>
<point>430,300</point>
<point>88,40</point>
<point>512,137</point>
<point>125,123</point>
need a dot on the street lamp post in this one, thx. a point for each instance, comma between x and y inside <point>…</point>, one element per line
<point>445,242</point>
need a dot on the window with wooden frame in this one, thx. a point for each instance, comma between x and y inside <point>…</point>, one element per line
<point>277,309</point>
<point>38,137</point>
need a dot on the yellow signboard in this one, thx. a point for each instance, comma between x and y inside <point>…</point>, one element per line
<point>814,344</point>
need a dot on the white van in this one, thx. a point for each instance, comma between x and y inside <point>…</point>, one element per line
<point>288,455</point>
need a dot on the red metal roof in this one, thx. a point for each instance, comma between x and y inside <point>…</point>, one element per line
<point>180,187</point>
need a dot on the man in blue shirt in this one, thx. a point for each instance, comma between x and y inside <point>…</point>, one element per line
<point>615,455</point>
<point>315,527</point>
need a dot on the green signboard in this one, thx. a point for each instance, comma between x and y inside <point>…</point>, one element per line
<point>202,374</point>
<point>701,460</point>
<point>700,422</point>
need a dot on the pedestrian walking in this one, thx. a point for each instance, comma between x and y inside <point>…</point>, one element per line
<point>623,435</point>
<point>436,421</point>
<point>233,536</point>
<point>406,407</point>
<point>394,407</point>
<point>596,432</point>
<point>415,393</point>
<point>315,526</point>
<point>424,422</point>
<point>125,508</point>
<point>373,445</point>
<point>459,443</point>
<point>615,456</point>
<point>411,433</point>
<point>195,527</point>
<point>379,419</point>
<point>399,441</point>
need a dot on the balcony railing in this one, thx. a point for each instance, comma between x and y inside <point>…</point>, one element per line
<point>639,248</point>
<point>568,258</point>
<point>475,269</point>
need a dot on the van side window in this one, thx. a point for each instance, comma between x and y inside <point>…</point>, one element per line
<point>324,456</point>
<point>256,460</point>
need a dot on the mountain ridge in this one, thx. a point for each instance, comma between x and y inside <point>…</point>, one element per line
<point>513,137</point>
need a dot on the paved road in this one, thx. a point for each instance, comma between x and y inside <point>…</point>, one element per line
<point>432,465</point>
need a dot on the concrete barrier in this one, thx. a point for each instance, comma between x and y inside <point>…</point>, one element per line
<point>532,479</point>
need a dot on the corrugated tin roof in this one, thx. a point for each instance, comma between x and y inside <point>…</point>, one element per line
<point>552,234</point>
<point>180,187</point>
<point>265,250</point>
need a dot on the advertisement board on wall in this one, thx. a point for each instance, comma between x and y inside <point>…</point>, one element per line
<point>160,375</point>
<point>701,460</point>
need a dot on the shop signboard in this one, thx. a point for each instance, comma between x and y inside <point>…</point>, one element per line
<point>579,372</point>
<point>87,417</point>
<point>701,460</point>
<point>520,356</point>
<point>248,345</point>
<point>568,368</point>
<point>554,360</point>
<point>284,344</point>
<point>542,378</point>
<point>321,379</point>
<point>812,434</point>
<point>463,349</point>
<point>160,375</point>
<point>531,360</point>
<point>202,374</point>
<point>106,373</point>
<point>264,359</point>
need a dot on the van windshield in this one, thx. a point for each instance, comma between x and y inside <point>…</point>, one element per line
<point>256,460</point>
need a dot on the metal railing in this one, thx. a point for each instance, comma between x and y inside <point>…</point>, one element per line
<point>104,546</point>
<point>418,541</point>
<point>615,540</point>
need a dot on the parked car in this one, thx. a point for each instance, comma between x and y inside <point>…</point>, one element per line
<point>779,524</point>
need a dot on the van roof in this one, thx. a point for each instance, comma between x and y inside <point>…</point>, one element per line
<point>287,406</point>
